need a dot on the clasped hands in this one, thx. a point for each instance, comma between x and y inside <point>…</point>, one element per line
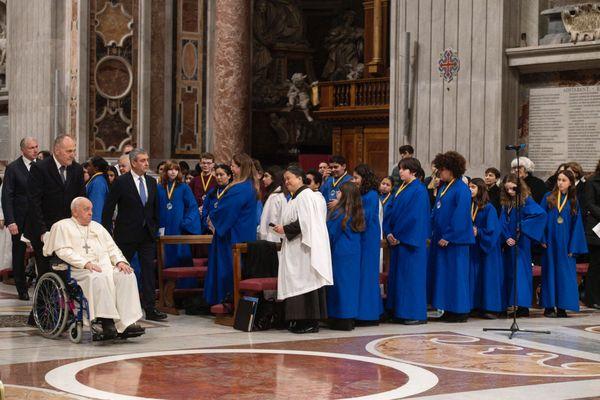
<point>121,266</point>
<point>394,242</point>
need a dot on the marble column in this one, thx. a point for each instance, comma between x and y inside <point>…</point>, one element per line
<point>231,78</point>
<point>37,72</point>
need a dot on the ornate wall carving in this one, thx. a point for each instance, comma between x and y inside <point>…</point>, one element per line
<point>189,82</point>
<point>113,75</point>
<point>74,49</point>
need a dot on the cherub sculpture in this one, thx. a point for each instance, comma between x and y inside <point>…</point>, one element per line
<point>298,94</point>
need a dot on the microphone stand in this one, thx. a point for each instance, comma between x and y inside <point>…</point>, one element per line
<point>514,328</point>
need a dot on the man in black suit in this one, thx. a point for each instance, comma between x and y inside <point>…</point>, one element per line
<point>53,184</point>
<point>14,205</point>
<point>136,227</point>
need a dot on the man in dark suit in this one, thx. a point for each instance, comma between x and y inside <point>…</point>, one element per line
<point>14,205</point>
<point>136,227</point>
<point>53,184</point>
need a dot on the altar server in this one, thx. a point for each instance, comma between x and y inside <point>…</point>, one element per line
<point>452,234</point>
<point>274,201</point>
<point>406,226</point>
<point>564,239</point>
<point>487,272</point>
<point>232,221</point>
<point>370,305</point>
<point>533,221</point>
<point>346,225</point>
<point>305,256</point>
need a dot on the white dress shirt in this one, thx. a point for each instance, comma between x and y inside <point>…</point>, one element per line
<point>136,181</point>
<point>27,162</point>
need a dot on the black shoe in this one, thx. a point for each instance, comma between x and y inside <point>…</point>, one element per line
<point>133,330</point>
<point>304,327</point>
<point>109,331</point>
<point>413,322</point>
<point>596,306</point>
<point>24,296</point>
<point>152,314</point>
<point>455,317</point>
<point>344,324</point>
<point>561,313</point>
<point>549,313</point>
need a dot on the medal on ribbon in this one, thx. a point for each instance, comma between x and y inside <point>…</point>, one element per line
<point>560,205</point>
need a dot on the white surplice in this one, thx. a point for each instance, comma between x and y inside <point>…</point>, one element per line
<point>305,261</point>
<point>271,214</point>
<point>111,293</point>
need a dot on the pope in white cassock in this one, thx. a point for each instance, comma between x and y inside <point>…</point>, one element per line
<point>99,267</point>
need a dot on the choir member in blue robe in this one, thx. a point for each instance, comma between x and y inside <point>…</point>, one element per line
<point>563,240</point>
<point>223,177</point>
<point>370,304</point>
<point>406,226</point>
<point>332,184</point>
<point>178,215</point>
<point>385,193</point>
<point>487,271</point>
<point>533,222</point>
<point>233,220</point>
<point>452,234</point>
<point>345,225</point>
<point>97,187</point>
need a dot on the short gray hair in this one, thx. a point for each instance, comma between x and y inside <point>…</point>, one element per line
<point>136,152</point>
<point>61,138</point>
<point>76,201</point>
<point>23,142</point>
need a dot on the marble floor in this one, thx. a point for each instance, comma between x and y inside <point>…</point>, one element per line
<point>190,357</point>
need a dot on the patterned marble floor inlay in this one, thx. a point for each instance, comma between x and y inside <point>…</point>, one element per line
<point>471,354</point>
<point>241,374</point>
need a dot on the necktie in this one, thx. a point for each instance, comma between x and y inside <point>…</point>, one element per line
<point>63,173</point>
<point>142,190</point>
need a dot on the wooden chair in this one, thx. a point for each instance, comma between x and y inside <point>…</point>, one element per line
<point>167,277</point>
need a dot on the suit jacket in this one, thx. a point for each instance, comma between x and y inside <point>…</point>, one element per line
<point>49,198</point>
<point>134,220</point>
<point>14,193</point>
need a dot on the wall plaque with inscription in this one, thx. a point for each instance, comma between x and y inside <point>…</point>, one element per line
<point>564,125</point>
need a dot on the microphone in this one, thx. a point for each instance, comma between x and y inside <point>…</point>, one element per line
<point>515,146</point>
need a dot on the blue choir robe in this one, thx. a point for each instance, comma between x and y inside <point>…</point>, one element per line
<point>234,220</point>
<point>448,276</point>
<point>96,191</point>
<point>182,219</point>
<point>559,274</point>
<point>533,222</point>
<point>487,272</point>
<point>370,304</point>
<point>408,219</point>
<point>329,189</point>
<point>207,206</point>
<point>342,297</point>
<point>386,201</point>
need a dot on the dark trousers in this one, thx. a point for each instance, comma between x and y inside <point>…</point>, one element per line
<point>592,278</point>
<point>42,264</point>
<point>18,263</point>
<point>147,254</point>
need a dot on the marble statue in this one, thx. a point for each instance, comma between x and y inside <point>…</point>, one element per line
<point>356,71</point>
<point>345,47</point>
<point>298,94</point>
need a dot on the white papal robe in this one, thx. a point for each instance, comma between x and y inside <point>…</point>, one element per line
<point>111,293</point>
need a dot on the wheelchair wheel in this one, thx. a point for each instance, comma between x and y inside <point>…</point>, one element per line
<point>75,332</point>
<point>50,305</point>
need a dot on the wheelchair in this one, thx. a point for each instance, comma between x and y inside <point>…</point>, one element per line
<point>59,305</point>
